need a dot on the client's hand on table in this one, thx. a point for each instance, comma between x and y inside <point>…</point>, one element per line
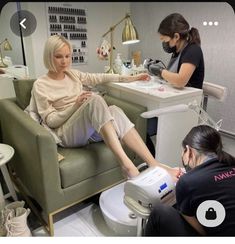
<point>145,77</point>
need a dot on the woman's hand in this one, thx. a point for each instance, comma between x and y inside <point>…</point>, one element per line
<point>143,77</point>
<point>83,97</point>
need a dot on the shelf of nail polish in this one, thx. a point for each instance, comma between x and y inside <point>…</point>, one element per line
<point>55,27</point>
<point>52,18</point>
<point>78,36</point>
<point>72,28</point>
<point>79,51</point>
<point>67,20</point>
<point>79,60</point>
<point>65,10</point>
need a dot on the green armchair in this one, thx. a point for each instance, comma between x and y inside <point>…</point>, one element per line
<point>56,185</point>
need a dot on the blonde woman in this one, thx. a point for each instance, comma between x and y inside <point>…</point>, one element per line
<point>78,116</point>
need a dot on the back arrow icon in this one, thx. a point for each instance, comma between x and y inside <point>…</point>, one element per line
<point>22,23</point>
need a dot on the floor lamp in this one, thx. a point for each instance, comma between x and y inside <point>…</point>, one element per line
<point>129,36</point>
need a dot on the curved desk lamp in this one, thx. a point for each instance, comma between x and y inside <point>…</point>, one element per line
<point>129,36</point>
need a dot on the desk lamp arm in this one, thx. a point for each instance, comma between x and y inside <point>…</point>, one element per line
<point>201,113</point>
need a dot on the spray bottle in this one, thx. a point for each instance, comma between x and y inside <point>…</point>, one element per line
<point>118,64</point>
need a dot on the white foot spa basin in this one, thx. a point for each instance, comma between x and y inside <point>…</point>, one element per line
<point>116,214</point>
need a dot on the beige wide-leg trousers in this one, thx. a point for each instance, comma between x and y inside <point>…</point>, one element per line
<point>85,124</point>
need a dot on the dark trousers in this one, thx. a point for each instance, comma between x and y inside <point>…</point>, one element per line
<point>151,131</point>
<point>166,221</point>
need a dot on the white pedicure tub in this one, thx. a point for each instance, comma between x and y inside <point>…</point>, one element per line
<point>117,215</point>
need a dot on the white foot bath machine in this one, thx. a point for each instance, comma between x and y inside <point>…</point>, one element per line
<point>126,206</point>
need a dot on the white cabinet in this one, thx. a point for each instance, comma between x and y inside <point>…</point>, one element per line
<point>11,72</point>
<point>6,87</point>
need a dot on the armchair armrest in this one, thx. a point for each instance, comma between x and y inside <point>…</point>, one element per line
<point>35,160</point>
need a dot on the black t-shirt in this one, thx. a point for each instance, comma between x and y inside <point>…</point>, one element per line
<point>209,181</point>
<point>192,54</point>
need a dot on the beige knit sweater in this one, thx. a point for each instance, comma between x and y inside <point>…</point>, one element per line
<point>55,100</point>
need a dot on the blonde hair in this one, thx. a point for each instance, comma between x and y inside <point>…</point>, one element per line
<point>52,44</point>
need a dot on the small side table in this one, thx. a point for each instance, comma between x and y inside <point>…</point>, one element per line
<point>6,153</point>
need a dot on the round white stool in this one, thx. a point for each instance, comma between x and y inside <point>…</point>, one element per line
<point>6,153</point>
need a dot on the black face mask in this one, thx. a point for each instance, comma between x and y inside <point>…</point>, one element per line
<point>186,166</point>
<point>166,47</point>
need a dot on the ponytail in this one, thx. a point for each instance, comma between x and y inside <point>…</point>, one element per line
<point>225,158</point>
<point>194,36</point>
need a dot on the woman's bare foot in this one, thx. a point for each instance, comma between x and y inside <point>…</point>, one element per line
<point>175,173</point>
<point>130,172</point>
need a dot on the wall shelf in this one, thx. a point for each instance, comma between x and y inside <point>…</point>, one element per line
<point>70,22</point>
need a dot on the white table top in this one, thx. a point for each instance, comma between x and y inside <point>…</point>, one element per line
<point>6,86</point>
<point>16,71</point>
<point>156,88</point>
<point>6,153</point>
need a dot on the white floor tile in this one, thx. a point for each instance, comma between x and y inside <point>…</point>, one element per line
<point>87,221</point>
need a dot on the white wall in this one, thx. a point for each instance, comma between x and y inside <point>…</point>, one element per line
<point>100,16</point>
<point>217,43</point>
<point>16,54</point>
<point>6,85</point>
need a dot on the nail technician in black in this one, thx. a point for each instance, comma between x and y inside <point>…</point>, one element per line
<point>210,176</point>
<point>186,66</point>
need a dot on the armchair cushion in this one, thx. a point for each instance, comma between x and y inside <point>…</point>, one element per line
<point>23,91</point>
<point>83,163</point>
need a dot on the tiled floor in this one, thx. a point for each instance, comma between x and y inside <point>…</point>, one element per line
<point>80,220</point>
